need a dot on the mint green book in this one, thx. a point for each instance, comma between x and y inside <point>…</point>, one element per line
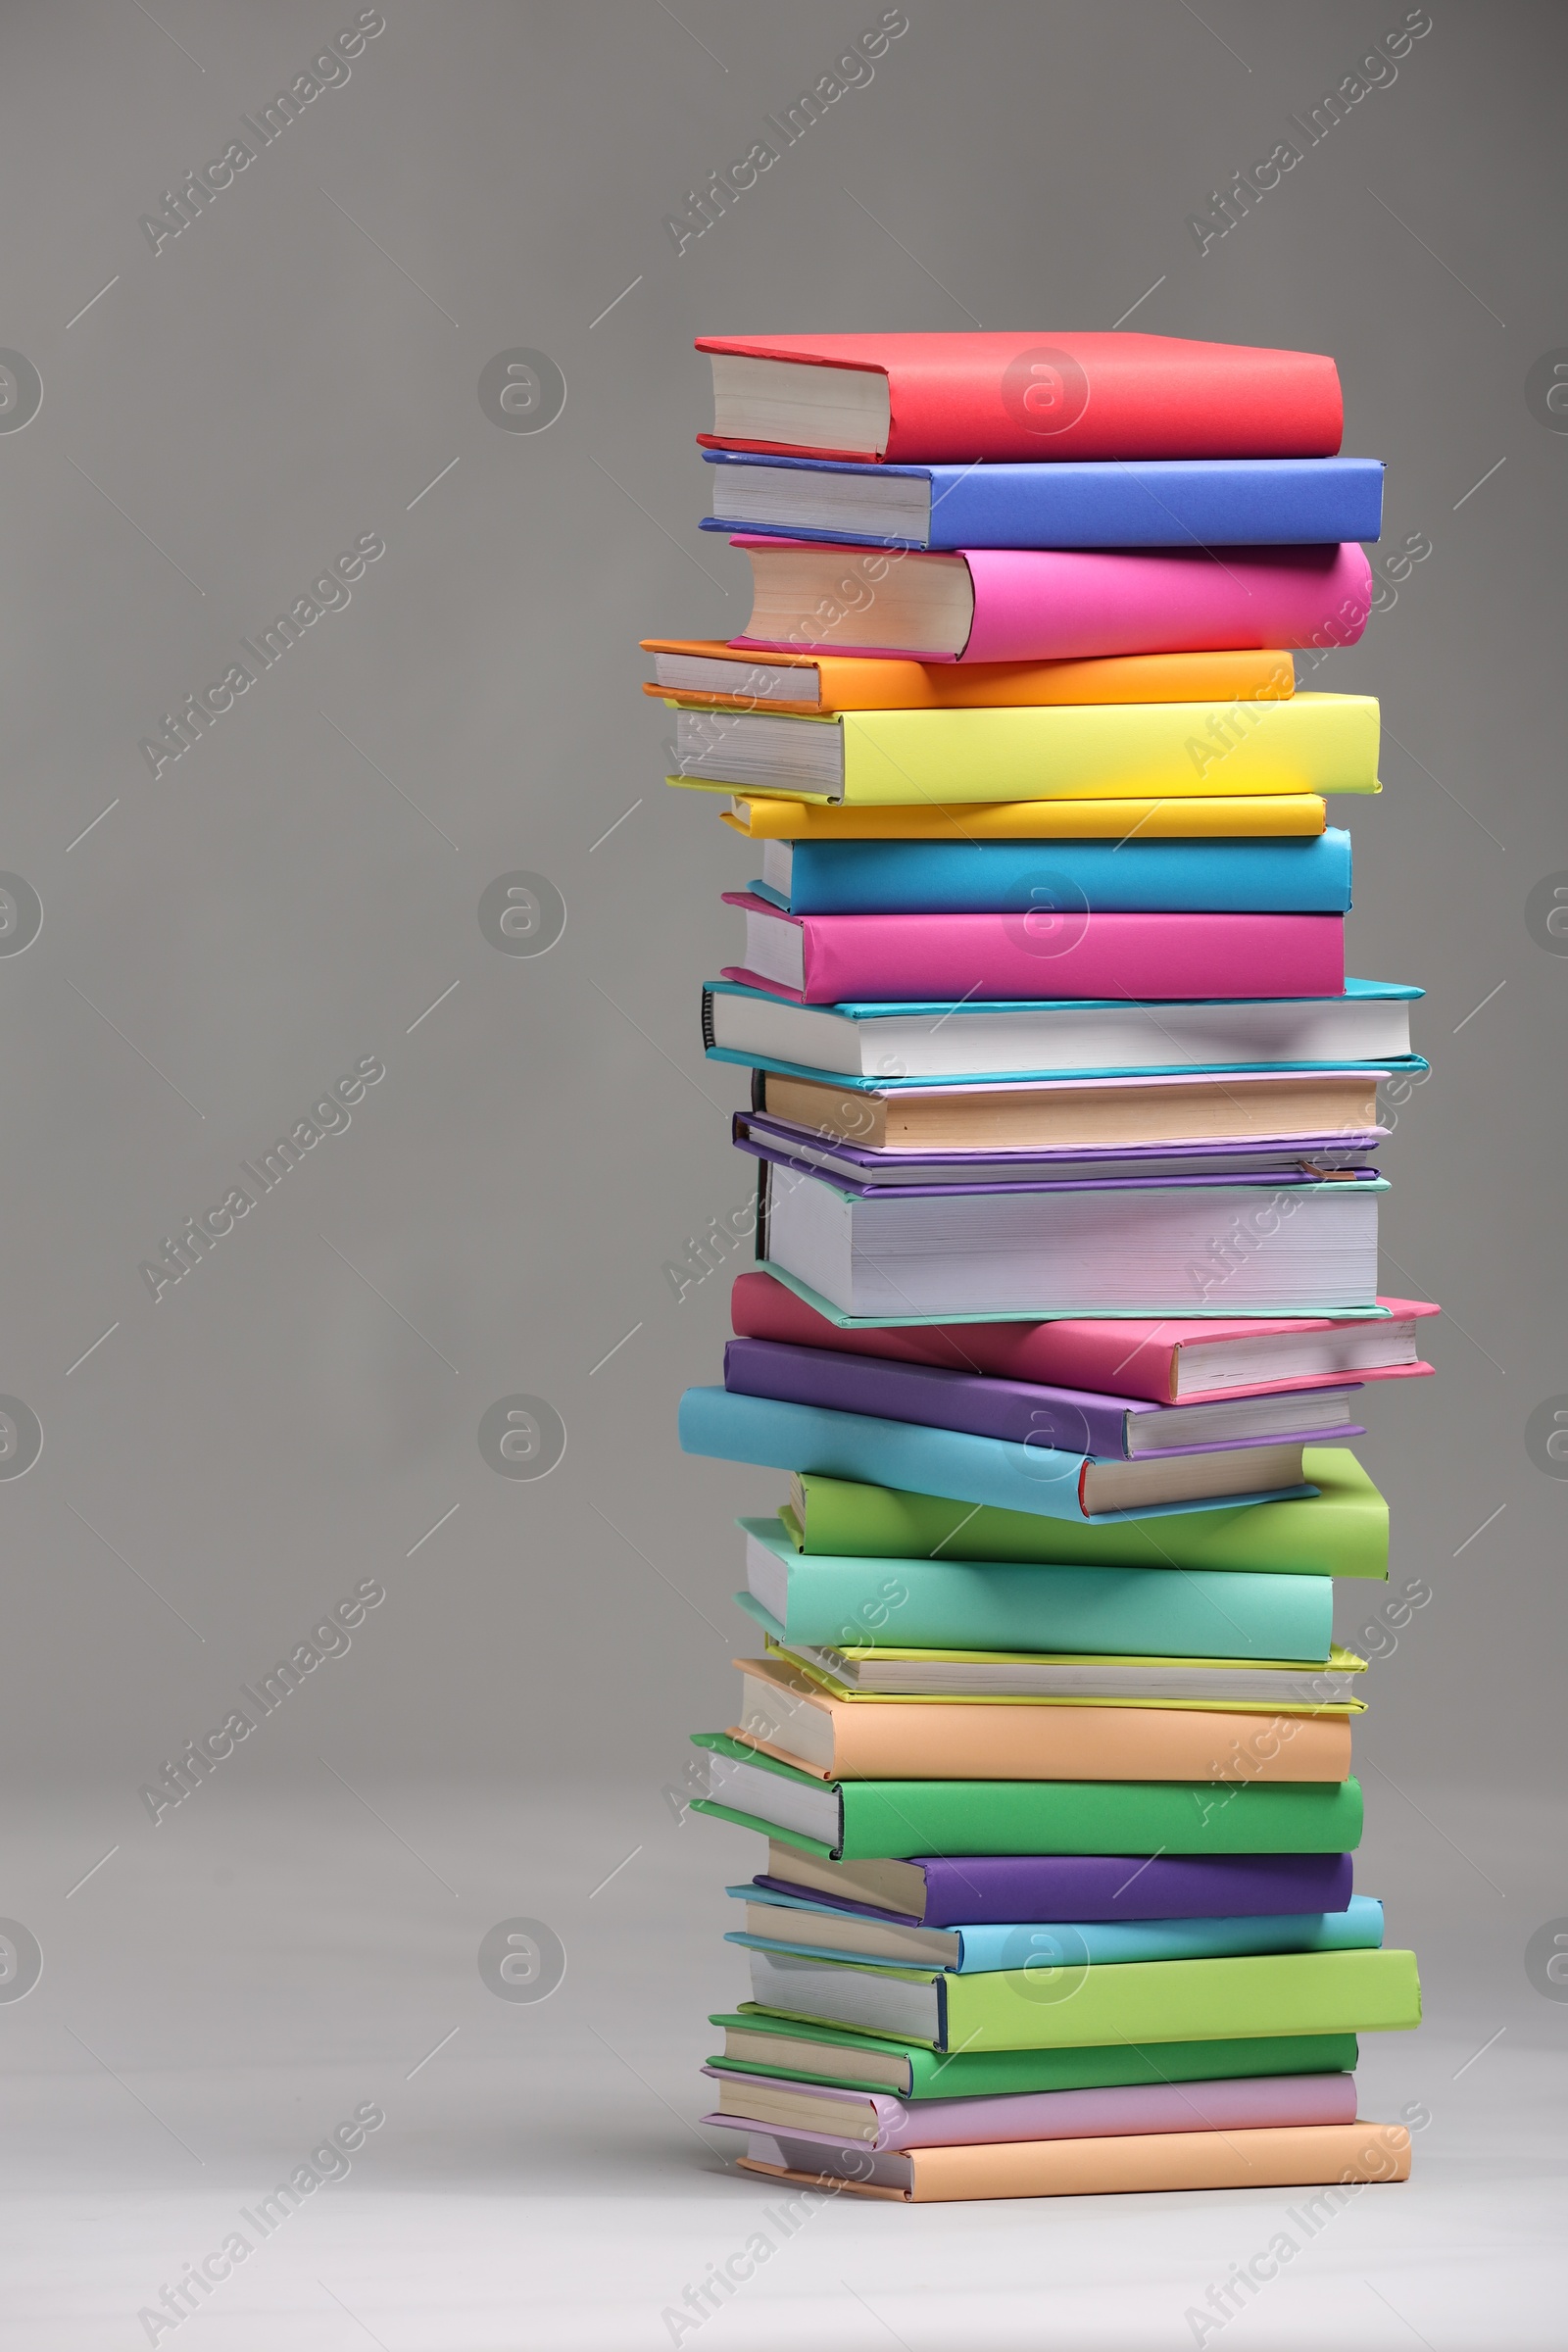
<point>1072,2005</point>
<point>898,1820</point>
<point>1342,1531</point>
<point>762,2042</point>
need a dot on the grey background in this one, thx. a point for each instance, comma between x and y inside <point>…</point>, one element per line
<point>291,372</point>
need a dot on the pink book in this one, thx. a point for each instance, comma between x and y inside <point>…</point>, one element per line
<point>1045,603</point>
<point>1166,1362</point>
<point>991,958</point>
<point>1249,2103</point>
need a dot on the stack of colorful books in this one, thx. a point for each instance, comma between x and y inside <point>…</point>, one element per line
<point>1065,1118</point>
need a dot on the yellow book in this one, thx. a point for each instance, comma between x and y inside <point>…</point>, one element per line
<point>1247,818</point>
<point>1314,743</point>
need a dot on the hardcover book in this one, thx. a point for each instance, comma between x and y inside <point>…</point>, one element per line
<point>897,1820</point>
<point>1342,1531</point>
<point>1299,2158</point>
<point>1037,398</point>
<point>1037,888</point>
<point>1166,1363</point>
<point>1050,950</point>
<point>709,672</point>
<point>761,2042</point>
<point>1152,502</point>
<point>955,1602</point>
<point>994,604</point>
<point>1314,743</point>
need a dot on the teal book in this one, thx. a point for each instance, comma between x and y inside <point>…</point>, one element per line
<point>901,1820</point>
<point>943,1603</point>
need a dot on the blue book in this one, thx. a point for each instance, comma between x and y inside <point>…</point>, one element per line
<point>1309,876</point>
<point>1143,502</point>
<point>963,1468</point>
<point>827,1932</point>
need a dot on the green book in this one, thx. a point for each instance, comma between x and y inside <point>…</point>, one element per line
<point>1342,1531</point>
<point>761,2042</point>
<point>1073,2005</point>
<point>897,1819</point>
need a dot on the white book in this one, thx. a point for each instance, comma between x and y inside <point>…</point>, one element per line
<point>1370,1023</point>
<point>1173,1250</point>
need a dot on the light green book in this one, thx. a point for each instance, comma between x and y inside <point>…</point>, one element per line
<point>761,2042</point>
<point>1342,1531</point>
<point>1071,2004</point>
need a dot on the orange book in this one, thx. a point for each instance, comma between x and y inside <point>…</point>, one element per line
<point>790,1716</point>
<point>1332,2157</point>
<point>847,682</point>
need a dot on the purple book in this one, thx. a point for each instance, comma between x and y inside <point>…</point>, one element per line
<point>1249,2103</point>
<point>964,1891</point>
<point>1072,1420</point>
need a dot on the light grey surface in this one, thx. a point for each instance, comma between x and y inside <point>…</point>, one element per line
<point>292,371</point>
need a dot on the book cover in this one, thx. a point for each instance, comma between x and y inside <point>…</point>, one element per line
<point>1047,397</point>
<point>1152,502</point>
<point>1046,952</point>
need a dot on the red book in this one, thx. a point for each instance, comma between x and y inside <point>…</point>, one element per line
<point>956,398</point>
<point>1166,1362</point>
